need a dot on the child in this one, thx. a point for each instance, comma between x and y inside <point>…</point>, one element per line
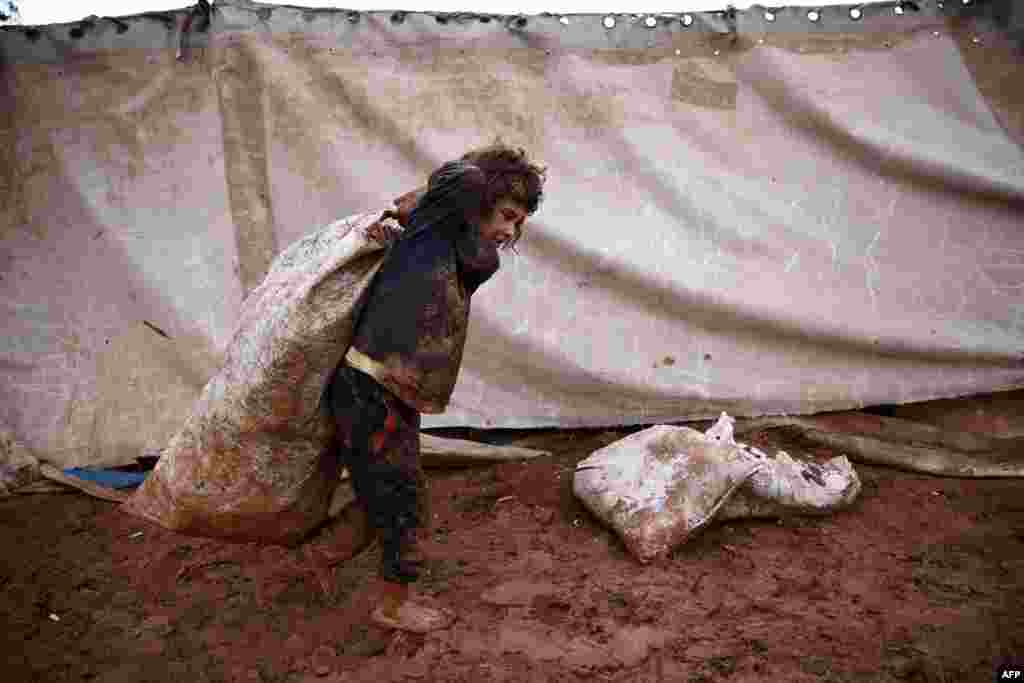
<point>407,348</point>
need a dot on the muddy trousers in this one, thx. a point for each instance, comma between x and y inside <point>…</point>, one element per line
<point>379,442</point>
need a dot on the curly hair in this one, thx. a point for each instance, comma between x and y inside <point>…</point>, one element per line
<point>510,174</point>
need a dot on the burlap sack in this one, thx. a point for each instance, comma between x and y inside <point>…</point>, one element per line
<point>252,462</point>
<point>658,487</point>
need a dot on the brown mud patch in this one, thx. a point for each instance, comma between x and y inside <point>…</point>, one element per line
<point>921,580</point>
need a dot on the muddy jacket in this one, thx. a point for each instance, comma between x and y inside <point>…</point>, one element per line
<point>412,330</point>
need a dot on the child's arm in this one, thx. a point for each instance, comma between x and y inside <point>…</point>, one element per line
<point>456,190</point>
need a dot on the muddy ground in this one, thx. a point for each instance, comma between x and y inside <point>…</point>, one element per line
<point>922,580</point>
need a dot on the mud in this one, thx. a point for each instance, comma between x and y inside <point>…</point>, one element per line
<point>921,580</point>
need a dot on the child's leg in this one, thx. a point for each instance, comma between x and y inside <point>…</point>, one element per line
<point>382,453</point>
<point>380,438</point>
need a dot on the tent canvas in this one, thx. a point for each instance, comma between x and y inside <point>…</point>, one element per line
<point>761,217</point>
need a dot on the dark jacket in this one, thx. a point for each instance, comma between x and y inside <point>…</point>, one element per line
<point>412,329</point>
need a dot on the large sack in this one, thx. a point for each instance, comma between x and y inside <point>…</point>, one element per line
<point>251,462</point>
<point>658,487</point>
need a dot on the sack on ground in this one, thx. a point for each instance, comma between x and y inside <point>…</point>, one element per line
<point>660,486</point>
<point>657,487</point>
<point>786,486</point>
<point>253,461</point>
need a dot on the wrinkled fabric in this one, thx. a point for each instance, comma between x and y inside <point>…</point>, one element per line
<point>416,315</point>
<point>766,218</point>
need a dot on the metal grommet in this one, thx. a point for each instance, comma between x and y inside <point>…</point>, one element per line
<point>564,21</point>
<point>687,20</point>
<point>760,41</point>
<point>898,10</point>
<point>718,52</point>
<point>397,17</point>
<point>520,22</point>
<point>814,15</point>
<point>769,16</point>
<point>651,22</point>
<point>976,40</point>
<point>609,22</point>
<point>353,17</point>
<point>678,51</point>
<point>856,14</point>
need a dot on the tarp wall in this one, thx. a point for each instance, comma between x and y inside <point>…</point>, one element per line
<point>743,214</point>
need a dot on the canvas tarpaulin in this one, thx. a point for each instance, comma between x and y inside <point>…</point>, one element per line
<point>745,214</point>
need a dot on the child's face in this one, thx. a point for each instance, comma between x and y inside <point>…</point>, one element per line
<point>502,226</point>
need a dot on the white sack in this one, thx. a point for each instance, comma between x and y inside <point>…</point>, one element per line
<point>658,487</point>
<point>786,486</point>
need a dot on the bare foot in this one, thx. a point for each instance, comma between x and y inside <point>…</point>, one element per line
<point>410,616</point>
